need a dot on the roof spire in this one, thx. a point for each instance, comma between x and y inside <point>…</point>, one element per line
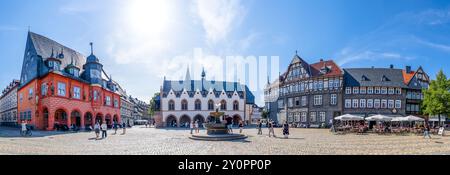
<point>296,52</point>
<point>188,74</point>
<point>52,56</point>
<point>29,28</point>
<point>92,48</point>
<point>203,73</point>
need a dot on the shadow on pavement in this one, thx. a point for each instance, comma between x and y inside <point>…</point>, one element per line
<point>7,132</point>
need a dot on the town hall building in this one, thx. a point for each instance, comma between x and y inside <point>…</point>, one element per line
<point>60,87</point>
<point>183,101</point>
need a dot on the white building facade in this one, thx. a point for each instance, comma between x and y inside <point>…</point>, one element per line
<point>8,104</point>
<point>194,100</point>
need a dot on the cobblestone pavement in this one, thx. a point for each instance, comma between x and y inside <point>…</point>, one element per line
<point>140,140</point>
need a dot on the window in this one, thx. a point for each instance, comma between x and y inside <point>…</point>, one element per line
<point>302,87</point>
<point>355,103</point>
<point>304,101</point>
<point>210,105</point>
<point>370,90</point>
<point>20,97</point>
<point>108,100</point>
<point>391,91</point>
<point>320,85</point>
<point>297,101</point>
<point>348,103</point>
<point>44,89</point>
<point>333,100</point>
<point>312,117</point>
<point>317,100</point>
<point>280,103</point>
<point>398,91</point>
<point>370,103</point>
<point>322,116</point>
<point>198,105</point>
<point>303,116</point>
<point>223,105</point>
<point>391,104</point>
<point>171,105</point>
<point>325,84</point>
<point>30,93</point>
<point>398,104</point>
<point>116,103</point>
<point>236,105</point>
<point>384,90</point>
<point>184,105</point>
<point>376,103</point>
<point>362,90</point>
<point>61,89</point>
<point>362,103</point>
<point>336,83</point>
<point>315,87</point>
<point>384,104</point>
<point>355,90</point>
<point>348,90</point>
<point>95,95</point>
<point>290,102</point>
<point>377,90</point>
<point>76,92</point>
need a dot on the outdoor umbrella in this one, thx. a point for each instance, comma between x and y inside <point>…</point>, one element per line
<point>379,118</point>
<point>349,117</point>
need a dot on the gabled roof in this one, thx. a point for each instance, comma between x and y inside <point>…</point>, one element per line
<point>374,77</point>
<point>45,46</point>
<point>407,77</point>
<point>333,68</point>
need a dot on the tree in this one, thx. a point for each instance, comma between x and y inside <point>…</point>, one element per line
<point>153,105</point>
<point>437,96</point>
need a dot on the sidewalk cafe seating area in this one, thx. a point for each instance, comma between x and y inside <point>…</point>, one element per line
<point>380,124</point>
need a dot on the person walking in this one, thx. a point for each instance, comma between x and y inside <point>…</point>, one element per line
<point>192,127</point>
<point>24,128</point>
<point>104,127</point>
<point>241,126</point>
<point>286,130</point>
<point>124,127</point>
<point>196,127</point>
<point>426,132</point>
<point>115,125</point>
<point>271,130</point>
<point>229,124</point>
<point>97,130</point>
<point>259,127</point>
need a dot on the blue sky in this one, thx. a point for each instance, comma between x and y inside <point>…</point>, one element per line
<point>139,42</point>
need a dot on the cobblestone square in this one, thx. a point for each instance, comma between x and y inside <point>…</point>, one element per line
<point>150,141</point>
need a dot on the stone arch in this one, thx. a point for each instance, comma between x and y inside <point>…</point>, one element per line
<point>99,118</point>
<point>184,104</point>
<point>171,121</point>
<point>200,119</point>
<point>171,105</point>
<point>235,105</point>
<point>223,105</point>
<point>89,120</point>
<point>198,104</point>
<point>185,119</point>
<point>108,120</point>
<point>75,117</point>
<point>211,105</point>
<point>61,119</point>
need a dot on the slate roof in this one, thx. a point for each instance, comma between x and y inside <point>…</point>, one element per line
<point>216,86</point>
<point>44,47</point>
<point>374,77</point>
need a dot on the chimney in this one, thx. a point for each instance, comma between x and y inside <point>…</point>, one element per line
<point>408,69</point>
<point>391,66</point>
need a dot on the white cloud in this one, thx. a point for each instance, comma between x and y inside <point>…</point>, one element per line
<point>434,45</point>
<point>349,56</point>
<point>219,17</point>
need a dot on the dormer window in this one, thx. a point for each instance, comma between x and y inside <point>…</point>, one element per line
<point>54,65</point>
<point>385,78</point>
<point>364,78</point>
